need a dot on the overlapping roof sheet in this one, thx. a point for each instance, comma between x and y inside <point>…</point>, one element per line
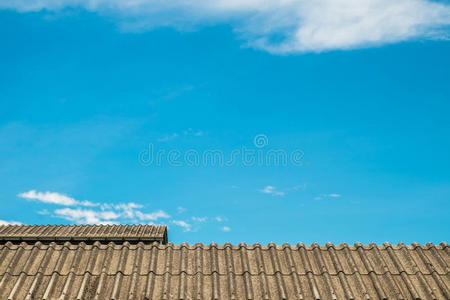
<point>77,270</point>
<point>104,233</point>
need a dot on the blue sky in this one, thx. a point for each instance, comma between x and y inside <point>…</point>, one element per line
<point>87,91</point>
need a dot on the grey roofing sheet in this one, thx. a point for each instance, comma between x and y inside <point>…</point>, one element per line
<point>155,271</point>
<point>61,233</point>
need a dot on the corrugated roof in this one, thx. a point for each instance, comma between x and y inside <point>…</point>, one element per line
<point>104,233</point>
<point>154,271</point>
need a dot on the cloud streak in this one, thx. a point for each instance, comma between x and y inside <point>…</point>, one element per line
<point>154,216</point>
<point>327,196</point>
<point>53,198</point>
<point>186,226</point>
<point>110,214</point>
<point>3,222</point>
<point>85,212</point>
<point>97,213</point>
<point>87,216</point>
<point>271,190</point>
<point>284,26</point>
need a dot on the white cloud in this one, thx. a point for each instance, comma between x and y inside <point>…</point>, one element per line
<point>226,229</point>
<point>44,212</point>
<point>283,26</point>
<point>167,138</point>
<point>268,189</point>
<point>272,191</point>
<point>103,212</point>
<point>128,209</point>
<point>325,196</point>
<point>3,222</point>
<point>53,198</point>
<point>48,197</point>
<point>299,187</point>
<point>154,216</point>
<point>87,216</point>
<point>346,24</point>
<point>127,206</point>
<point>183,224</point>
<point>334,195</point>
<point>192,132</point>
<point>120,213</point>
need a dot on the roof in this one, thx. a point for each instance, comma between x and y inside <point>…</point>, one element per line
<point>86,233</point>
<point>77,270</point>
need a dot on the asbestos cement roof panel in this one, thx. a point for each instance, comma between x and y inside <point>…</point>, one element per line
<point>79,270</point>
<point>86,233</point>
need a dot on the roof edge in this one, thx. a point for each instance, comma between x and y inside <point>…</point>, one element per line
<point>86,233</point>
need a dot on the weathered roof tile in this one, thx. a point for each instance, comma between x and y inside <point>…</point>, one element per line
<point>40,269</point>
<point>104,233</point>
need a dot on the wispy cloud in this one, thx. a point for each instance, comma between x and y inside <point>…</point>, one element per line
<point>85,212</point>
<point>200,219</point>
<point>154,216</point>
<point>171,93</point>
<point>186,226</point>
<point>100,213</point>
<point>299,187</point>
<point>287,26</point>
<point>121,213</point>
<point>193,132</point>
<point>325,196</point>
<point>53,198</point>
<point>87,216</point>
<point>334,195</point>
<point>226,229</point>
<point>168,137</point>
<point>3,222</point>
<point>44,212</point>
<point>272,191</point>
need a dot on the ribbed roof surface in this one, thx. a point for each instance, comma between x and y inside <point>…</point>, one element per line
<point>155,271</point>
<point>104,233</point>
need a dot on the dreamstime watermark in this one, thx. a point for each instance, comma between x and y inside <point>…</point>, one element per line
<point>259,155</point>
